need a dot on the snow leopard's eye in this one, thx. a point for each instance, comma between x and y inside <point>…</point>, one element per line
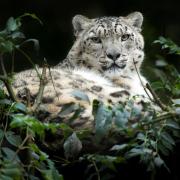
<point>96,40</point>
<point>125,37</point>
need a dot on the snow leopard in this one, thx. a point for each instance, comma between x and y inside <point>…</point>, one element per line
<point>103,63</point>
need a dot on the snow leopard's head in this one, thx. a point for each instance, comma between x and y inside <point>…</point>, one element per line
<point>111,45</point>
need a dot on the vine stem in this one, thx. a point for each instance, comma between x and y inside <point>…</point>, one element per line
<point>97,170</point>
<point>162,117</point>
<point>141,80</point>
<point>154,95</point>
<point>156,98</point>
<point>6,80</point>
<point>21,146</point>
<point>43,81</point>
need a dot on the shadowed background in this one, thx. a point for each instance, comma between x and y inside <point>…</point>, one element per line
<point>56,35</point>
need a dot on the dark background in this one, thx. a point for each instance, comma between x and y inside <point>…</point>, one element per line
<point>56,37</point>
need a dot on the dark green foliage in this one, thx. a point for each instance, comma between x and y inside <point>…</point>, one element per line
<point>168,44</point>
<point>20,157</point>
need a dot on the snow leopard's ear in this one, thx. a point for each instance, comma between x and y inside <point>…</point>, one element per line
<point>135,19</point>
<point>80,23</point>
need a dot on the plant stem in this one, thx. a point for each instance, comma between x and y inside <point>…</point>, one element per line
<point>43,82</point>
<point>162,117</point>
<point>6,80</point>
<point>141,80</point>
<point>156,98</point>
<point>97,171</point>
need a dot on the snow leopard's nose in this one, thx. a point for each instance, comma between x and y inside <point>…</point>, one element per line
<point>113,55</point>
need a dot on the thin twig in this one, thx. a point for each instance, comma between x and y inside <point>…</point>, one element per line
<point>156,98</point>
<point>12,66</point>
<point>162,117</point>
<point>43,81</point>
<point>141,80</point>
<point>6,80</point>
<point>97,170</point>
<point>21,146</point>
<point>53,83</point>
<point>28,97</point>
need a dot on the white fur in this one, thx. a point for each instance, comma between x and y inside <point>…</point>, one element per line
<point>92,76</point>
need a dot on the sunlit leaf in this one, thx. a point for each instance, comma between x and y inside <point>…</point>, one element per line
<point>176,101</point>
<point>119,147</point>
<point>161,63</point>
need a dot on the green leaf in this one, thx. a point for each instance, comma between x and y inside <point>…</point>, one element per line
<point>103,121</point>
<point>51,175</point>
<point>161,63</point>
<point>23,121</point>
<point>119,147</point>
<point>158,161</point>
<point>1,134</point>
<point>72,146</point>
<point>80,95</point>
<point>66,129</point>
<point>166,144</point>
<point>10,154</point>
<point>141,136</point>
<point>34,41</point>
<point>157,85</point>
<point>162,149</point>
<point>167,138</point>
<point>121,118</point>
<point>173,125</point>
<point>68,109</point>
<point>13,139</point>
<point>4,177</point>
<point>20,106</point>
<point>177,110</point>
<point>32,16</point>
<point>17,35</point>
<point>13,172</point>
<point>12,24</point>
<point>2,93</point>
<point>168,44</point>
<point>176,101</point>
<point>134,152</point>
<point>7,46</point>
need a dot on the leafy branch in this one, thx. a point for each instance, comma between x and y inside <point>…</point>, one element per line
<point>167,43</point>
